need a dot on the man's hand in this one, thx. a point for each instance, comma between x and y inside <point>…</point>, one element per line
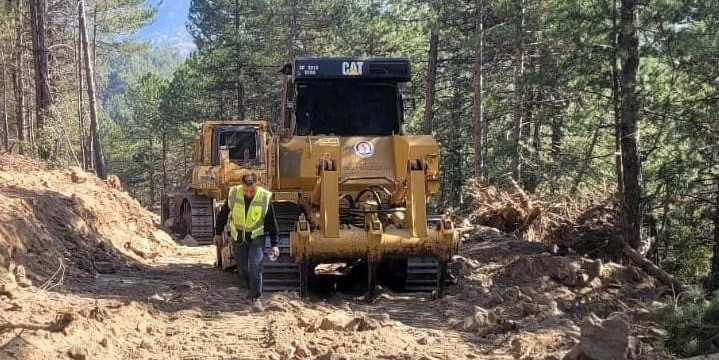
<point>217,240</point>
<point>275,252</point>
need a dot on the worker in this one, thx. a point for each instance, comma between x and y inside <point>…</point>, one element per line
<point>248,214</point>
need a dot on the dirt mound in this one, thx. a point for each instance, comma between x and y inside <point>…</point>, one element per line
<point>564,270</point>
<point>528,302</point>
<point>19,163</point>
<point>66,224</point>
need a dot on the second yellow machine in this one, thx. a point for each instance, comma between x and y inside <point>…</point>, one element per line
<point>349,186</point>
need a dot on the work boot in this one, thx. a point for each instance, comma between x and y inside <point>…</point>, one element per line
<point>257,305</point>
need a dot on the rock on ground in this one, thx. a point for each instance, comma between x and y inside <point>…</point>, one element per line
<point>188,240</point>
<point>602,339</point>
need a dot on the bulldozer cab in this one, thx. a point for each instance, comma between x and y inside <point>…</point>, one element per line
<point>240,142</point>
<point>345,96</point>
<point>227,149</point>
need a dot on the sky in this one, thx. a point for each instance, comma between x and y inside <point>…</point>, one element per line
<point>168,29</point>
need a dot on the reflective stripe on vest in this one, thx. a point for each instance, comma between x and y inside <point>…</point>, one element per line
<point>254,220</point>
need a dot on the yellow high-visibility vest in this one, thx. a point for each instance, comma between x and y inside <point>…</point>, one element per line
<point>252,222</point>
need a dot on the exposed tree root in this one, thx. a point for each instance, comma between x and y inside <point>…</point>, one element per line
<point>652,269</point>
<point>60,324</point>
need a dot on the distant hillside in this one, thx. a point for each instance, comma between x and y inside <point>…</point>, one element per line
<point>168,29</point>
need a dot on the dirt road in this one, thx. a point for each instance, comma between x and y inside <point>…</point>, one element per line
<point>183,308</point>
<point>515,304</point>
<point>87,273</point>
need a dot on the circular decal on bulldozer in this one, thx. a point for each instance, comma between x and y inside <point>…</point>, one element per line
<point>364,149</point>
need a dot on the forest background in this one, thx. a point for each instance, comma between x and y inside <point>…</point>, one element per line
<point>577,99</point>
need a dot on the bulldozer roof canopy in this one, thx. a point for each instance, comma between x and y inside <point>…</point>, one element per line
<point>352,68</point>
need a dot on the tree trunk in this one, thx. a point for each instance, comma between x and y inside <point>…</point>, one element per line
<point>455,162</point>
<point>616,104</point>
<point>557,138</point>
<point>94,33</point>
<point>40,54</point>
<point>518,81</point>
<point>165,184</point>
<point>186,157</point>
<point>532,178</point>
<point>431,89</point>
<point>239,86</point>
<point>284,116</point>
<point>631,165</point>
<point>587,162</point>
<point>98,159</point>
<point>240,92</point>
<point>456,146</point>
<point>292,32</point>
<point>30,112</point>
<point>537,133</point>
<point>478,116</point>
<point>151,171</point>
<point>18,80</point>
<point>6,123</point>
<point>713,283</point>
<point>80,102</point>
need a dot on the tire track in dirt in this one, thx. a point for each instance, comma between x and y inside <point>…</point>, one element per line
<point>199,309</point>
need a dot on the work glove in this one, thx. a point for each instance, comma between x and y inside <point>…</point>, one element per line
<point>275,253</point>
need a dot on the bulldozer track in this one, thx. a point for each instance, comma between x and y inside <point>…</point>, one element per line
<point>201,218</point>
<point>422,274</point>
<point>283,274</point>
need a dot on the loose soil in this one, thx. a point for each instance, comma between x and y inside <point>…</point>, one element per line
<point>86,273</point>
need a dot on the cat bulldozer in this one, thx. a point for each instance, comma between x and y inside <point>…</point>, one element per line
<point>349,187</point>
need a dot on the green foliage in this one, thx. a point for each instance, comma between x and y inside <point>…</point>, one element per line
<point>694,325</point>
<point>143,135</point>
<point>151,100</point>
<point>567,144</point>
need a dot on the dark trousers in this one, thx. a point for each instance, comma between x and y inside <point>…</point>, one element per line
<point>248,258</point>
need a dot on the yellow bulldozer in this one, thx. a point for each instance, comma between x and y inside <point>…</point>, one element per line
<point>349,187</point>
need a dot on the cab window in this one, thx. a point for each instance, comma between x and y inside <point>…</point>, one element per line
<point>242,145</point>
<point>348,108</point>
